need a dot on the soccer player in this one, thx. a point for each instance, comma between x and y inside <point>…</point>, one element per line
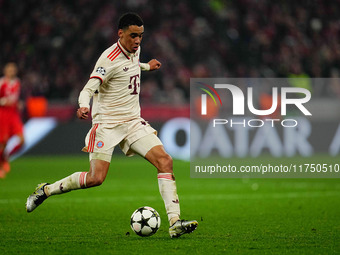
<point>10,119</point>
<point>114,86</point>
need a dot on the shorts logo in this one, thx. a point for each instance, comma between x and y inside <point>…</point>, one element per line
<point>100,144</point>
<point>101,70</point>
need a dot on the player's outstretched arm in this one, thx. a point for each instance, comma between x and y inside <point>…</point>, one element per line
<point>154,64</point>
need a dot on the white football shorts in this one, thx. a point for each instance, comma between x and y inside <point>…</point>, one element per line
<point>135,136</point>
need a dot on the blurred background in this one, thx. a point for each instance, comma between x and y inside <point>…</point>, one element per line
<point>56,45</point>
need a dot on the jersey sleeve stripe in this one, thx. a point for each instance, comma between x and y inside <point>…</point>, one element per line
<point>97,77</point>
<point>116,55</point>
<point>113,52</point>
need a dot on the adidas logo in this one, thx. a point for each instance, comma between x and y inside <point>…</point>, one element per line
<point>175,201</point>
<point>125,69</point>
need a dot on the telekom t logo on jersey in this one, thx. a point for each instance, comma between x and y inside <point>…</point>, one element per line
<point>239,99</point>
<point>134,84</point>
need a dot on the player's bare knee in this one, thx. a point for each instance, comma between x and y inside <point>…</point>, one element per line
<point>97,173</point>
<point>94,179</point>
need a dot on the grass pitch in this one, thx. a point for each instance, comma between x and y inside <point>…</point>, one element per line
<point>236,216</point>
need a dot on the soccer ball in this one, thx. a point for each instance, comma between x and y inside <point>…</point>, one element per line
<point>145,221</point>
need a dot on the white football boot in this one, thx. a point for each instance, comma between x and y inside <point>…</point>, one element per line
<point>181,227</point>
<point>36,198</point>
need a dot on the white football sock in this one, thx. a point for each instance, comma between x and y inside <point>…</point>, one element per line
<point>168,190</point>
<point>72,182</point>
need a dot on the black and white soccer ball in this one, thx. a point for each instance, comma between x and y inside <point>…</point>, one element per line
<point>145,221</point>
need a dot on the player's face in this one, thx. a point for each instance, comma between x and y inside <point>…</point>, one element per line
<point>131,37</point>
<point>10,70</point>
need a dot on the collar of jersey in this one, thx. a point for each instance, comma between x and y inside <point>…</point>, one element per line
<point>125,52</point>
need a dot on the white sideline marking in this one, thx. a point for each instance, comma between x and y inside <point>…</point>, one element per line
<point>211,197</point>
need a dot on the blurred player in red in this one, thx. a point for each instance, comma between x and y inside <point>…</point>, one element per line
<point>10,119</point>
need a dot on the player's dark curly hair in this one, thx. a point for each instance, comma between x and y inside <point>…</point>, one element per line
<point>129,19</point>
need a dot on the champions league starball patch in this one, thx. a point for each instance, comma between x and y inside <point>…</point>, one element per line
<point>100,144</point>
<point>101,70</point>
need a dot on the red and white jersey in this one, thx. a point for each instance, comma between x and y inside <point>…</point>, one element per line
<point>10,91</point>
<point>116,99</point>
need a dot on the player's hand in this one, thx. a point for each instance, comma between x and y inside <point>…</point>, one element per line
<point>154,64</point>
<point>83,113</point>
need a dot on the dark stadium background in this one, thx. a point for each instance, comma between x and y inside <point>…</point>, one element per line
<point>56,43</point>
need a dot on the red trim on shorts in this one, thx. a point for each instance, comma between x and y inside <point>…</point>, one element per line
<point>92,138</point>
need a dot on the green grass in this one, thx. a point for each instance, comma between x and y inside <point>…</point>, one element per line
<point>236,216</point>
